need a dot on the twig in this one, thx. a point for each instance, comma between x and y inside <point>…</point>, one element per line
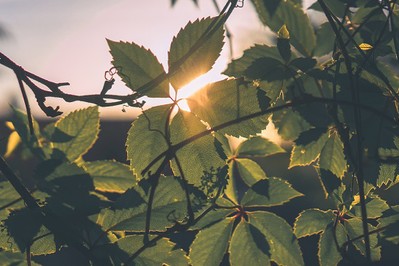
<point>185,188</point>
<point>355,97</point>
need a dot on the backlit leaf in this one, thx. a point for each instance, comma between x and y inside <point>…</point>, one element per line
<point>375,208</point>
<point>211,243</point>
<point>332,156</point>
<point>390,221</point>
<point>248,246</point>
<point>268,69</point>
<point>24,228</point>
<point>110,176</point>
<point>238,67</point>
<point>258,146</point>
<point>13,259</point>
<point>354,228</point>
<point>289,124</point>
<point>269,192</point>
<point>312,221</point>
<point>328,250</point>
<point>145,140</point>
<point>284,247</point>
<point>76,133</point>
<point>211,218</point>
<point>199,62</point>
<point>249,171</point>
<point>163,252</point>
<point>308,147</point>
<point>137,66</point>
<point>232,187</point>
<point>226,101</point>
<point>169,206</point>
<point>198,158</point>
<point>8,195</point>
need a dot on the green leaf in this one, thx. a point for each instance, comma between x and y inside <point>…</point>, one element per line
<point>284,247</point>
<point>304,63</point>
<point>110,176</point>
<point>8,195</point>
<point>226,101</point>
<point>168,206</point>
<point>289,124</point>
<point>223,146</point>
<point>258,146</point>
<point>13,259</point>
<point>138,66</point>
<point>328,180</point>
<point>269,192</point>
<point>327,251</point>
<point>375,208</point>
<point>199,158</point>
<point>238,67</point>
<point>210,244</point>
<point>249,171</point>
<point>146,139</point>
<point>386,174</point>
<point>232,187</point>
<point>276,13</point>
<point>76,133</point>
<point>248,246</point>
<point>23,229</point>
<point>332,156</point>
<point>163,252</point>
<point>312,221</point>
<point>268,69</point>
<point>201,61</point>
<point>390,222</point>
<point>212,217</point>
<point>307,147</point>
<point>325,40</point>
<point>69,188</point>
<point>12,144</point>
<point>20,123</point>
<point>354,228</point>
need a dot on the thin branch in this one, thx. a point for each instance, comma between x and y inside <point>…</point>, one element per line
<point>28,256</point>
<point>8,173</point>
<point>355,98</point>
<point>26,101</point>
<point>154,180</point>
<point>185,188</point>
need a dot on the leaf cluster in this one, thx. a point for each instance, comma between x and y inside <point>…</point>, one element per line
<point>332,94</point>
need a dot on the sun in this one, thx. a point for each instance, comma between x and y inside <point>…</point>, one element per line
<point>194,86</point>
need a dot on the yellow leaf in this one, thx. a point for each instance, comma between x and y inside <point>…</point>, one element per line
<point>283,32</point>
<point>13,142</point>
<point>10,125</point>
<point>365,46</point>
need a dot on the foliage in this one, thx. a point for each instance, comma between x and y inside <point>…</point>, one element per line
<point>330,90</point>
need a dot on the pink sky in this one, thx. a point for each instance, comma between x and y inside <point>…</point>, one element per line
<point>65,40</point>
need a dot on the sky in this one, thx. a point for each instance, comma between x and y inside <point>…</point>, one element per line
<point>66,41</point>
